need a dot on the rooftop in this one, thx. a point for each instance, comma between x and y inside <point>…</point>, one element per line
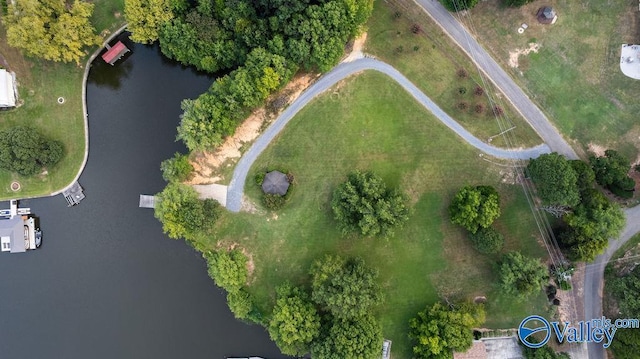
<point>630,61</point>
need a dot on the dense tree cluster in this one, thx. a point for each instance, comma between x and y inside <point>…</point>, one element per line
<point>352,338</point>
<point>182,213</point>
<point>178,168</point>
<point>345,288</point>
<point>556,180</point>
<point>365,205</point>
<point>591,218</point>
<point>521,276</point>
<point>544,352</point>
<point>265,41</point>
<point>627,344</point>
<point>25,151</point>
<point>459,5</point>
<point>295,323</point>
<point>625,290</point>
<point>516,3</point>
<point>475,207</point>
<point>51,29</point>
<point>612,172</point>
<point>439,330</point>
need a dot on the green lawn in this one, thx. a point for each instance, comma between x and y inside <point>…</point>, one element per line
<point>431,60</point>
<point>40,84</point>
<point>368,122</point>
<point>575,76</point>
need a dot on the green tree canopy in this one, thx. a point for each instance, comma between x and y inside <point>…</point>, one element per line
<point>145,17</point>
<point>555,179</point>
<point>364,204</point>
<point>346,288</point>
<point>459,5</point>
<point>521,276</point>
<point>182,213</point>
<point>591,224</point>
<point>611,171</point>
<point>439,330</point>
<point>228,269</point>
<point>627,344</point>
<point>51,29</point>
<point>295,323</point>
<point>625,290</point>
<point>241,303</point>
<point>516,3</point>
<point>354,338</point>
<point>475,207</point>
<point>178,168</point>
<point>25,151</point>
<point>487,240</point>
<point>584,175</point>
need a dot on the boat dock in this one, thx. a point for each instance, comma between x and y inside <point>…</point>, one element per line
<point>74,194</point>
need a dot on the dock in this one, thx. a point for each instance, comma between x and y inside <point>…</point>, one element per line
<point>73,194</point>
<point>147,201</point>
<point>114,53</point>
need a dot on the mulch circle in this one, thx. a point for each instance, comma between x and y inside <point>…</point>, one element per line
<point>15,186</point>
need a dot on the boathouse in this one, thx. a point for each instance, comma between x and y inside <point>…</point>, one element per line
<point>114,53</point>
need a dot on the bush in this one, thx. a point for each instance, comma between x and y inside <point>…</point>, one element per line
<point>416,29</point>
<point>25,151</point>
<point>260,178</point>
<point>273,201</point>
<point>479,91</point>
<point>177,168</point>
<point>240,303</point>
<point>498,111</point>
<point>462,90</point>
<point>478,108</point>
<point>462,106</point>
<point>228,269</point>
<point>462,73</point>
<point>487,240</point>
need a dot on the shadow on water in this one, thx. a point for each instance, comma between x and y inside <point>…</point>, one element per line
<point>107,283</point>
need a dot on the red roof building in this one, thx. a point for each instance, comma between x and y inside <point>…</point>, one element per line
<point>115,53</point>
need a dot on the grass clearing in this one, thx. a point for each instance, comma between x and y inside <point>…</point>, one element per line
<point>369,122</point>
<point>575,75</point>
<point>40,85</point>
<point>431,60</point>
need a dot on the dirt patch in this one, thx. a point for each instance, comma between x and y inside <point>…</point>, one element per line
<point>515,55</point>
<point>206,164</point>
<point>248,205</point>
<point>356,51</point>
<point>596,149</point>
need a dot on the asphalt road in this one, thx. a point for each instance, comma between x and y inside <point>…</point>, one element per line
<point>236,186</point>
<point>531,113</point>
<point>594,276</point>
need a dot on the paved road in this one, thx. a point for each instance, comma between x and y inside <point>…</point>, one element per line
<point>594,277</point>
<point>499,77</point>
<point>236,186</point>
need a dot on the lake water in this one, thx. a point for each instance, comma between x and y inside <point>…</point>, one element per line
<point>107,283</point>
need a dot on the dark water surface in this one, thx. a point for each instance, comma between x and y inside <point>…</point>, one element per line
<point>107,283</point>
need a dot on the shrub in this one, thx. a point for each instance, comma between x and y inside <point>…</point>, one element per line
<point>478,108</point>
<point>479,91</point>
<point>228,269</point>
<point>498,111</point>
<point>462,90</point>
<point>462,105</point>
<point>487,240</point>
<point>240,303</point>
<point>462,73</point>
<point>177,168</point>
<point>273,201</point>
<point>416,29</point>
<point>260,178</point>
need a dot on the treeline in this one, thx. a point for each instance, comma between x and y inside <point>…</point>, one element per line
<point>265,41</point>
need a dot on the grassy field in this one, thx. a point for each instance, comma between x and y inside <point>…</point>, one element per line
<point>40,84</point>
<point>431,60</point>
<point>368,122</point>
<point>575,75</point>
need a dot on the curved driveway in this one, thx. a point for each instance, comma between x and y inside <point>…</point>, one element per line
<point>236,186</point>
<point>594,276</point>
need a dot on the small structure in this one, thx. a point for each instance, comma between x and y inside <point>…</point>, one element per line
<point>147,201</point>
<point>275,182</point>
<point>7,89</point>
<point>546,15</point>
<point>114,53</point>
<point>386,349</point>
<point>630,60</point>
<point>73,194</point>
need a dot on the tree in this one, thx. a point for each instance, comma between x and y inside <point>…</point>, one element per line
<point>625,290</point>
<point>346,288</point>
<point>627,344</point>
<point>521,276</point>
<point>584,175</point>
<point>555,179</point>
<point>178,168</point>
<point>295,323</point>
<point>50,29</point>
<point>439,330</point>
<point>475,207</point>
<point>364,204</point>
<point>487,240</point>
<point>145,17</point>
<point>611,171</point>
<point>25,151</point>
<point>228,269</point>
<point>544,352</point>
<point>592,223</point>
<point>182,213</point>
<point>459,5</point>
<point>515,3</point>
<point>240,303</point>
<point>355,338</point>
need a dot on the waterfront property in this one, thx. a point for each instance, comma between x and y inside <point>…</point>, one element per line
<point>19,234</point>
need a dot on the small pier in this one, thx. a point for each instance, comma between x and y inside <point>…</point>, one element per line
<point>147,201</point>
<point>73,194</point>
<point>114,53</point>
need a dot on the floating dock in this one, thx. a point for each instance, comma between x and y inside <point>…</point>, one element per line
<point>147,201</point>
<point>73,194</point>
